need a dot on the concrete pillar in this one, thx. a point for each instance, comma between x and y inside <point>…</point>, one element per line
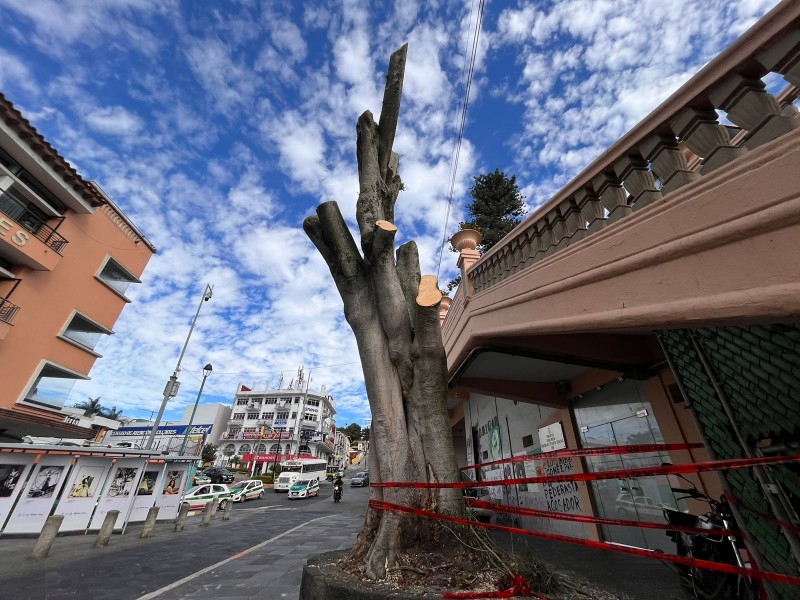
<point>150,522</point>
<point>106,529</point>
<point>208,512</point>
<point>47,536</point>
<point>215,503</point>
<point>180,520</point>
<point>228,508</point>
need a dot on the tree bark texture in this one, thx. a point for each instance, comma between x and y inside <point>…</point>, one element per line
<point>394,315</point>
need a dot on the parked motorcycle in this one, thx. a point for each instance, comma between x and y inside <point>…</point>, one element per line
<point>337,492</point>
<point>707,584</point>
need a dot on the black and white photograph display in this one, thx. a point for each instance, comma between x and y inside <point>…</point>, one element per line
<point>9,477</point>
<point>123,482</point>
<point>45,482</point>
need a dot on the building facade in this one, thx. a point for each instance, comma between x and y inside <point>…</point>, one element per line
<point>648,313</point>
<point>67,258</point>
<point>209,421</point>
<point>271,425</point>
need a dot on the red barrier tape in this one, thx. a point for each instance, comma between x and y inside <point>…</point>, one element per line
<point>714,465</point>
<point>681,560</point>
<point>601,451</point>
<point>548,514</point>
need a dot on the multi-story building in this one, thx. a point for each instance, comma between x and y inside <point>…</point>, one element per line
<point>67,256</point>
<point>272,425</point>
<point>341,450</point>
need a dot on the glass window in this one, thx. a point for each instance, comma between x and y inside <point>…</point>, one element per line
<point>230,448</point>
<point>52,386</point>
<point>238,416</point>
<point>117,277</point>
<point>275,448</point>
<point>252,415</point>
<point>245,449</point>
<point>269,415</point>
<point>85,332</point>
<point>261,448</point>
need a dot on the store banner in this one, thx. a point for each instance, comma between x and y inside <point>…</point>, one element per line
<point>39,494</point>
<point>120,491</point>
<point>14,470</point>
<point>174,482</point>
<point>81,492</point>
<point>148,492</point>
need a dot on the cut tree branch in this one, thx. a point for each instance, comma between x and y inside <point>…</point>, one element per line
<point>390,111</point>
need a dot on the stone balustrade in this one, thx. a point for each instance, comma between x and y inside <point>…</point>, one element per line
<point>677,144</point>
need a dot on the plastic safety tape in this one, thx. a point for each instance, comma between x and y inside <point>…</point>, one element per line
<point>601,451</point>
<point>548,514</point>
<point>713,465</point>
<point>681,560</point>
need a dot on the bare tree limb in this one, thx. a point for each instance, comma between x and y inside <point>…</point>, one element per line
<point>390,111</point>
<point>391,303</point>
<point>409,277</point>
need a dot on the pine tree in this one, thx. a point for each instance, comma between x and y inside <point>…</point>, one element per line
<point>497,207</point>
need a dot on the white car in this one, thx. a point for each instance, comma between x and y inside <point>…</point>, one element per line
<point>247,490</point>
<point>304,489</point>
<point>199,496</point>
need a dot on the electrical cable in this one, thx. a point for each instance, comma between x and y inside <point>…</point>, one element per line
<point>462,125</point>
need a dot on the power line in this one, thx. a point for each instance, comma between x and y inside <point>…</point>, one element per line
<point>462,125</point>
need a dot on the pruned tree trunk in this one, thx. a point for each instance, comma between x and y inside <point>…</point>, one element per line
<point>394,314</point>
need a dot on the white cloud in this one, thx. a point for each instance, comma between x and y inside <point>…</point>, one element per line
<point>114,120</point>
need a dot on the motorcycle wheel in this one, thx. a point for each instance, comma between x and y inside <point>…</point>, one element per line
<point>706,584</point>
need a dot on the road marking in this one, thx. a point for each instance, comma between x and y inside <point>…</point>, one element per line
<point>201,572</point>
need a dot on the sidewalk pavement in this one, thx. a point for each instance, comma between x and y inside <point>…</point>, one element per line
<point>268,569</point>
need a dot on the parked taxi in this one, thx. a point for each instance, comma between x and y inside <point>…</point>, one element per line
<point>304,489</point>
<point>247,490</point>
<point>200,495</point>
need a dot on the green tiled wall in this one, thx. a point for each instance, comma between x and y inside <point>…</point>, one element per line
<point>758,368</point>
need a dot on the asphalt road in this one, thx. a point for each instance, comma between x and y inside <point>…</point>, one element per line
<point>275,535</point>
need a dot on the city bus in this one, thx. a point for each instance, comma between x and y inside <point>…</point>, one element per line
<point>301,469</point>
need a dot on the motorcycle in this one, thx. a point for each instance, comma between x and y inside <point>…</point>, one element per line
<point>706,584</point>
<point>337,492</point>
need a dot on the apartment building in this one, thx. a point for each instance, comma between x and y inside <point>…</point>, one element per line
<point>67,258</point>
<point>273,425</point>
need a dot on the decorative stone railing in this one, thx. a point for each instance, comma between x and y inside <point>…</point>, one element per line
<point>678,143</point>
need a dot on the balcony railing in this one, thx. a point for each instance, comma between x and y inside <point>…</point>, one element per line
<point>680,142</point>
<point>7,311</point>
<point>14,208</point>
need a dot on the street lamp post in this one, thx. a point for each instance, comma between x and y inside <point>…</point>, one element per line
<point>206,372</point>
<point>173,384</point>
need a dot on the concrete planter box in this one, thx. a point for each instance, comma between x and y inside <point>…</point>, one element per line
<point>325,581</point>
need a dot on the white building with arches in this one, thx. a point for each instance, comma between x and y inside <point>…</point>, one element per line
<point>271,425</point>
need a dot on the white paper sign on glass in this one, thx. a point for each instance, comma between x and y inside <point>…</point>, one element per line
<point>80,495</point>
<point>552,437</point>
<point>120,491</point>
<point>39,494</point>
<point>13,473</point>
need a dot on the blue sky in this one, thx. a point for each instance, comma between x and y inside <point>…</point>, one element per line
<point>218,127</point>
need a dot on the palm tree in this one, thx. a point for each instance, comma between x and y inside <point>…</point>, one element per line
<point>111,413</point>
<point>91,407</point>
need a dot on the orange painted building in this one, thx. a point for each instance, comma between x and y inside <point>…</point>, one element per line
<point>67,257</point>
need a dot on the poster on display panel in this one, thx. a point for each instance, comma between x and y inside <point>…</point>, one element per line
<point>120,491</point>
<point>39,495</point>
<point>13,473</point>
<point>80,494</point>
<point>171,486</point>
<point>148,492</point>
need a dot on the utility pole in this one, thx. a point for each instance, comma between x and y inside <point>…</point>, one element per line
<point>302,406</point>
<point>171,389</point>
